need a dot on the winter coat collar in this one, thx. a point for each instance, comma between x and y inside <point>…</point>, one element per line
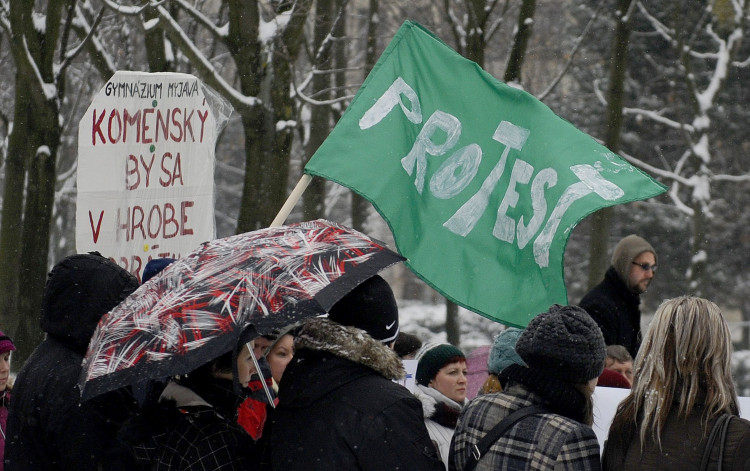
<point>437,407</point>
<point>350,343</point>
<point>182,396</point>
<point>328,356</point>
<point>618,284</point>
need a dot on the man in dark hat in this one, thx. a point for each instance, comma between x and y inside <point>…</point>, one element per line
<point>614,303</point>
<point>338,406</point>
<point>48,426</point>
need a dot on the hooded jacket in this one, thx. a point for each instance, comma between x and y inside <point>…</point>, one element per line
<point>48,428</point>
<point>339,408</point>
<point>616,310</point>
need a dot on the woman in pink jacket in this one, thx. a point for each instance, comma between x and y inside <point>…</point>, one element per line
<point>6,346</point>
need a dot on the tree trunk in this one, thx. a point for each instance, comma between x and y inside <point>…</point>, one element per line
<point>10,229</point>
<point>360,205</point>
<point>698,246</point>
<point>283,109</point>
<point>264,76</point>
<point>254,207</point>
<point>155,42</point>
<point>36,229</point>
<point>452,324</point>
<point>266,147</point>
<point>475,32</point>
<point>320,115</point>
<point>602,219</point>
<point>601,222</point>
<point>33,142</point>
<point>520,42</point>
<point>245,48</point>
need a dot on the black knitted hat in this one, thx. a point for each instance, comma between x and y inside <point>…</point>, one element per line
<point>564,343</point>
<point>371,306</point>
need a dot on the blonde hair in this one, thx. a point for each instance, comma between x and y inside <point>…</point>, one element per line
<point>685,353</point>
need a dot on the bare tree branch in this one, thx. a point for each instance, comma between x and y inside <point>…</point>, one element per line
<point>69,56</point>
<point>200,18</point>
<point>657,117</point>
<point>576,46</point>
<point>209,74</point>
<point>98,54</point>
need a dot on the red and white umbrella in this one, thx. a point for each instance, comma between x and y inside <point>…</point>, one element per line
<point>197,308</point>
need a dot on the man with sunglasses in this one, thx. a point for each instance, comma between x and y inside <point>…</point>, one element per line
<point>614,303</point>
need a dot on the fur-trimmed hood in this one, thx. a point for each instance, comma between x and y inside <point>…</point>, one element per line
<point>350,343</point>
<point>328,357</point>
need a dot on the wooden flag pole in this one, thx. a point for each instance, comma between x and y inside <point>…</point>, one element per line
<point>291,201</point>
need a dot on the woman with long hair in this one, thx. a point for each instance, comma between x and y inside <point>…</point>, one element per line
<point>682,409</point>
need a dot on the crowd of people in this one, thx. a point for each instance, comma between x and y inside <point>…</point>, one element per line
<point>325,393</point>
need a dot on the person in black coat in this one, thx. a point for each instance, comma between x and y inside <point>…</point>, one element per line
<point>193,425</point>
<point>48,427</point>
<point>614,303</point>
<point>338,406</point>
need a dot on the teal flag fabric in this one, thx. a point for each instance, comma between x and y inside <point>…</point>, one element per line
<point>480,183</point>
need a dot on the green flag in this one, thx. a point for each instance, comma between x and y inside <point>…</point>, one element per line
<point>480,182</point>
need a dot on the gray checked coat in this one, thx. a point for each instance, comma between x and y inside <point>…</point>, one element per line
<point>539,442</point>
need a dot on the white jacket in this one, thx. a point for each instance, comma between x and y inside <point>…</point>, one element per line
<point>440,429</point>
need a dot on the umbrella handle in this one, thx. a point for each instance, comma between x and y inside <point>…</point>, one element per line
<point>260,373</point>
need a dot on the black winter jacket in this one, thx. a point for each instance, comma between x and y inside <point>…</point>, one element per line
<point>48,427</point>
<point>339,409</point>
<point>615,309</point>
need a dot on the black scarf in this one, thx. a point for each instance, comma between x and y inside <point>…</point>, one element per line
<point>560,397</point>
<point>445,415</point>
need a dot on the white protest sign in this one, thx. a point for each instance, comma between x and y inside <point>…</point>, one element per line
<point>606,401</point>
<point>146,168</point>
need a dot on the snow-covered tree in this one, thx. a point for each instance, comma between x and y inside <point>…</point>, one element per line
<point>44,39</point>
<point>704,48</point>
<point>262,39</point>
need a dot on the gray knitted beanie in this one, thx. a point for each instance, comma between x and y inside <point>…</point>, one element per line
<point>627,250</point>
<point>503,351</point>
<point>564,343</point>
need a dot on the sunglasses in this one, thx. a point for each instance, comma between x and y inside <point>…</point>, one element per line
<point>646,266</point>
